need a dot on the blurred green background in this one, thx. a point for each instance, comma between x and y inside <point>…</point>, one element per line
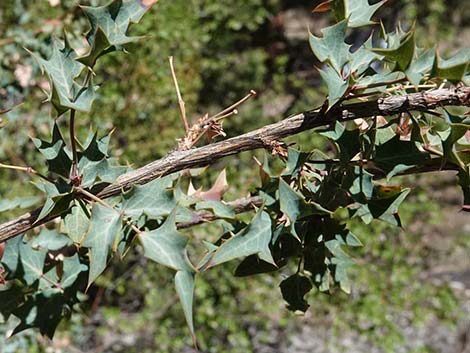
<point>412,288</point>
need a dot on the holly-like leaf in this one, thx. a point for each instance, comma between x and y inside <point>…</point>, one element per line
<point>71,270</point>
<point>331,47</point>
<point>357,12</point>
<point>395,156</point>
<point>420,66</point>
<point>383,207</point>
<point>184,283</point>
<point>399,51</point>
<point>293,291</point>
<point>453,68</point>
<point>58,158</point>
<point>166,245</point>
<point>18,202</point>
<point>154,199</point>
<point>220,209</point>
<point>50,239</point>
<point>75,224</point>
<point>32,262</point>
<point>105,227</point>
<point>62,69</point>
<point>254,239</point>
<point>109,26</point>
<point>336,85</point>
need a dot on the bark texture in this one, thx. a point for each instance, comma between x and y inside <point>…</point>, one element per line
<point>263,137</point>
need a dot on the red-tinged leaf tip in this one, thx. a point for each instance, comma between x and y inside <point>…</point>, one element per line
<point>323,7</point>
<point>147,3</point>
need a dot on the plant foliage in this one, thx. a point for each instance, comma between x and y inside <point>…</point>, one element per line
<point>301,228</point>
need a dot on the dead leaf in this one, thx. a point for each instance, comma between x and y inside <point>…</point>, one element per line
<point>217,191</point>
<point>323,7</point>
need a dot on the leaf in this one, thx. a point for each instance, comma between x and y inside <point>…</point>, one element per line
<point>50,240</point>
<point>291,203</point>
<point>323,7</point>
<point>420,66</point>
<point>395,156</point>
<point>336,85</point>
<point>71,270</point>
<point>401,52</point>
<point>11,257</point>
<point>32,262</point>
<point>331,46</point>
<point>342,263</point>
<point>383,208</point>
<point>184,282</point>
<point>75,224</point>
<point>293,291</point>
<point>62,69</point>
<point>154,199</point>
<point>453,68</point>
<point>220,209</point>
<point>105,226</point>
<point>59,160</point>
<point>254,239</point>
<point>166,245</point>
<point>357,12</point>
<point>18,202</point>
<point>252,265</point>
<point>94,164</point>
<point>217,191</point>
<point>109,26</point>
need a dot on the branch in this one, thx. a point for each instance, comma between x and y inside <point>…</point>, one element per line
<point>261,138</point>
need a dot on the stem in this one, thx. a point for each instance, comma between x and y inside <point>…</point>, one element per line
<point>74,172</point>
<point>178,95</point>
<point>29,170</point>
<point>234,105</point>
<point>107,205</point>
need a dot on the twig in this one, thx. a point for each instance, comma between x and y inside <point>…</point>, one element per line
<point>178,94</point>
<point>234,105</point>
<point>107,205</point>
<point>209,154</point>
<point>28,170</point>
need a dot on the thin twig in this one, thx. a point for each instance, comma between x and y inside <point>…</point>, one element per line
<point>234,105</point>
<point>178,94</point>
<point>28,170</point>
<point>107,205</point>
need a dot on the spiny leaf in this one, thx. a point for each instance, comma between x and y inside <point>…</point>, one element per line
<point>453,68</point>
<point>294,290</point>
<point>58,157</point>
<point>75,224</point>
<point>71,270</point>
<point>421,66</point>
<point>18,202</point>
<point>254,239</point>
<point>399,51</point>
<point>109,26</point>
<point>331,46</point>
<point>50,239</point>
<point>105,226</point>
<point>337,86</point>
<point>62,69</point>
<point>396,156</point>
<point>166,245</point>
<point>184,282</point>
<point>357,12</point>
<point>154,199</point>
